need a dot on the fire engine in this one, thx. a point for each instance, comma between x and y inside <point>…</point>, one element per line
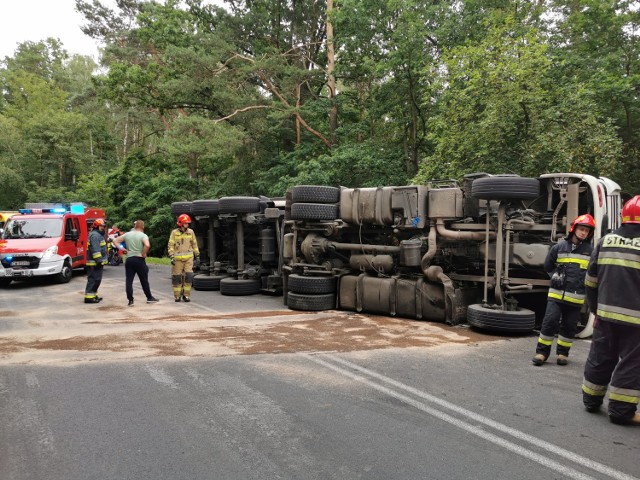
<point>45,240</point>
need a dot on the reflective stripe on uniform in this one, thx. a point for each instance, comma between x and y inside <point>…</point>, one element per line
<point>619,259</point>
<point>593,389</point>
<point>591,281</point>
<point>564,341</point>
<point>624,395</point>
<point>577,298</point>
<point>618,313</point>
<point>581,260</point>
<point>545,339</point>
<point>183,256</point>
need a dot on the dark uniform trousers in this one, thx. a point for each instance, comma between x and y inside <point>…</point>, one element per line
<point>552,325</point>
<point>94,279</point>
<point>614,360</point>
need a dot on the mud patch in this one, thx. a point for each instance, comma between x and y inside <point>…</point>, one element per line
<point>243,334</point>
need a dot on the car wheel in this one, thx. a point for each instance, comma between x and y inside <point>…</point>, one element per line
<point>65,274</point>
<point>315,285</point>
<point>239,205</point>
<point>305,302</point>
<point>240,286</point>
<point>315,194</point>
<point>505,188</point>
<point>209,283</point>
<point>314,211</point>
<point>205,207</point>
<point>178,208</point>
<point>493,318</point>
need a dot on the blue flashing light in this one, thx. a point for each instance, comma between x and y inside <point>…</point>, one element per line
<point>77,209</point>
<point>24,210</point>
<point>59,210</point>
<point>8,258</point>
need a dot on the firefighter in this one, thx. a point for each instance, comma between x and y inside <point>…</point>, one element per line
<point>612,283</point>
<point>567,264</point>
<point>183,252</point>
<point>96,259</point>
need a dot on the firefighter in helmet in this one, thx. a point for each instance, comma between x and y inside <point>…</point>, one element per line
<point>567,264</point>
<point>96,259</point>
<point>612,283</point>
<point>183,252</point>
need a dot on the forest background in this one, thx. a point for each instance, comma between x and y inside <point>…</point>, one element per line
<point>197,101</point>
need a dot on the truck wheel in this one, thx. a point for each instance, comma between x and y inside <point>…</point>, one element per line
<point>315,285</point>
<point>314,211</point>
<point>240,286</point>
<point>178,208</point>
<point>493,318</point>
<point>65,274</point>
<point>304,302</point>
<point>505,188</point>
<point>239,205</point>
<point>5,282</point>
<point>315,194</point>
<point>205,207</point>
<point>209,283</point>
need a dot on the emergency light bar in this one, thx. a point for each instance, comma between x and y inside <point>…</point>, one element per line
<point>75,209</point>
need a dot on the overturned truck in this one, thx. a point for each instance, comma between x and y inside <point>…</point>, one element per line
<point>472,252</point>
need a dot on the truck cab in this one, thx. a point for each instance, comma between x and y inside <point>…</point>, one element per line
<point>45,240</point>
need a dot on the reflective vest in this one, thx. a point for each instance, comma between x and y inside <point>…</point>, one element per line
<point>613,276</point>
<point>96,249</point>
<point>568,267</point>
<point>183,245</point>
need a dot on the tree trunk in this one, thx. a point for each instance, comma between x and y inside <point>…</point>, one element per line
<point>331,79</point>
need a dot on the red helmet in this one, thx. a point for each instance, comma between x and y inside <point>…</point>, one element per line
<point>184,218</point>
<point>99,222</point>
<point>631,211</point>
<point>584,221</point>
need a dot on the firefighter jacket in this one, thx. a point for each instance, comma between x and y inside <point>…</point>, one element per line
<point>183,245</point>
<point>96,249</point>
<point>613,276</point>
<point>567,263</point>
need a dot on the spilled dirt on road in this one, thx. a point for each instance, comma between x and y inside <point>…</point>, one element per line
<point>120,334</point>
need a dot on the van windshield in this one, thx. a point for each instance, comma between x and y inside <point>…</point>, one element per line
<point>22,227</point>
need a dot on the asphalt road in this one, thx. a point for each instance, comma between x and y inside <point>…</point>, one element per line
<point>242,388</point>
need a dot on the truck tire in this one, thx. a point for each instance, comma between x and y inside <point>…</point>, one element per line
<point>178,208</point>
<point>207,283</point>
<point>505,188</point>
<point>315,194</point>
<point>240,286</point>
<point>314,211</point>
<point>205,207</point>
<point>239,205</point>
<point>65,274</point>
<point>308,303</point>
<point>494,319</point>
<point>315,285</point>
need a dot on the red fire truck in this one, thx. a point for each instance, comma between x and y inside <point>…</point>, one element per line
<point>45,239</point>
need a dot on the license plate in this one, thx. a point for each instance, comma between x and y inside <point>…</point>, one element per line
<point>20,263</point>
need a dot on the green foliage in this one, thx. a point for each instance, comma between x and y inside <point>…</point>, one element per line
<point>14,194</point>
<point>501,111</point>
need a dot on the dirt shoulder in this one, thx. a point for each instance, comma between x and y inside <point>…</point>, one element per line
<point>54,326</point>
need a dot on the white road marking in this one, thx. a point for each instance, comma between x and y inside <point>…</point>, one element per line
<point>478,431</point>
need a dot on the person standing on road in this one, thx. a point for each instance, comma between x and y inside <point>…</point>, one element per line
<point>183,251</point>
<point>567,263</point>
<point>96,259</point>
<point>138,246</point>
<point>612,284</point>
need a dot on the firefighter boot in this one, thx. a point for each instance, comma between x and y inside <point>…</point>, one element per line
<point>635,420</point>
<point>538,360</point>
<point>562,360</point>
